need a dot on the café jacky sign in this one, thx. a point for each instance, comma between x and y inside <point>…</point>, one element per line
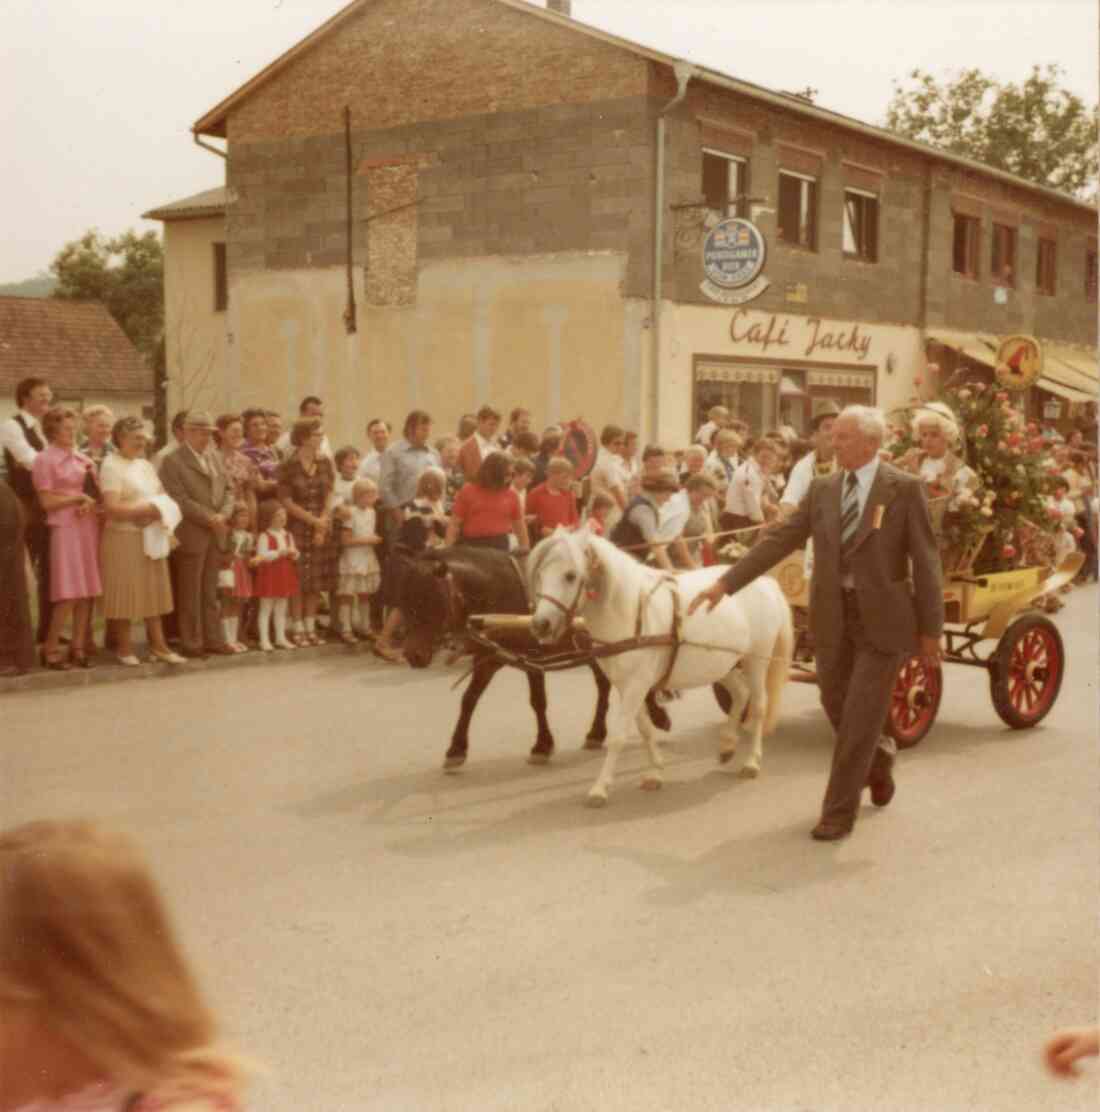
<point>806,335</point>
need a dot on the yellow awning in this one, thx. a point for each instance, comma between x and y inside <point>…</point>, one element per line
<point>975,345</point>
<point>1051,386</point>
<point>1074,368</point>
<point>732,372</point>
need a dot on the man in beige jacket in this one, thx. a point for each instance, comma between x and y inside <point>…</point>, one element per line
<point>193,476</point>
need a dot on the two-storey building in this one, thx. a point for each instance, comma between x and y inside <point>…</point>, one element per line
<point>438,203</point>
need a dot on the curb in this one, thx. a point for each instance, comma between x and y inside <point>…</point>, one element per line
<point>108,671</point>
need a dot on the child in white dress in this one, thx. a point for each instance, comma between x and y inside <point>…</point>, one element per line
<point>360,572</point>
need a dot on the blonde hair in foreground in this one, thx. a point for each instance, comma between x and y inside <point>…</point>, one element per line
<point>86,943</point>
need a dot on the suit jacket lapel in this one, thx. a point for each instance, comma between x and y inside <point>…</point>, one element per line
<point>832,503</point>
<point>881,494</point>
<point>191,461</point>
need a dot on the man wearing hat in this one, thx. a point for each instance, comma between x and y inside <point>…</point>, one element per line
<point>813,465</point>
<point>194,478</point>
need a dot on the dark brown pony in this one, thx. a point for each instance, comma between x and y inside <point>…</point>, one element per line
<point>439,590</point>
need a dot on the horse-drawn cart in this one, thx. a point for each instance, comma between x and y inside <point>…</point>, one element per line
<point>1025,662</point>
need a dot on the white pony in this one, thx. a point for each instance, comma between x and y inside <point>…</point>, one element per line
<point>745,643</point>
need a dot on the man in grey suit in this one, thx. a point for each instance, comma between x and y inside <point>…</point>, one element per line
<point>876,595</point>
<point>193,476</point>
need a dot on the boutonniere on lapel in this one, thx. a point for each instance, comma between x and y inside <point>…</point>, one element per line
<point>880,511</point>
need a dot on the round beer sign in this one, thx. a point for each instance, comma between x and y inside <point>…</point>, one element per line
<point>734,253</point>
<point>1019,362</point>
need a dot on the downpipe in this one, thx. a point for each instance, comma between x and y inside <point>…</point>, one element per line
<point>684,73</point>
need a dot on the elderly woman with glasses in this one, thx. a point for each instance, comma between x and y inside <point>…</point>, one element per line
<point>96,445</point>
<point>65,481</point>
<point>136,587</point>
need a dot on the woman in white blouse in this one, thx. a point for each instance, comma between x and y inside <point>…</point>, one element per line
<point>135,587</point>
<point>936,431</point>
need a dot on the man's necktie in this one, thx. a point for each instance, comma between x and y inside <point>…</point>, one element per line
<point>849,517</point>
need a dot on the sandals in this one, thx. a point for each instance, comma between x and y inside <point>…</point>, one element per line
<point>349,638</point>
<point>80,659</point>
<point>387,653</point>
<point>56,662</point>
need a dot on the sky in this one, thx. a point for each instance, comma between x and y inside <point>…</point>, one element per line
<point>98,98</point>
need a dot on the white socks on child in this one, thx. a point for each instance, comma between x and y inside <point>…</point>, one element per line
<point>273,608</point>
<point>281,605</point>
<point>345,617</point>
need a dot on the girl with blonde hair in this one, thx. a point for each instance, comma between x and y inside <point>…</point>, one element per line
<point>98,1008</point>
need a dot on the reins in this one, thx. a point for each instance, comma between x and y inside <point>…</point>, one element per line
<point>583,655</point>
<point>705,537</point>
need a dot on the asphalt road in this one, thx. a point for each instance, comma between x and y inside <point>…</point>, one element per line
<point>381,936</point>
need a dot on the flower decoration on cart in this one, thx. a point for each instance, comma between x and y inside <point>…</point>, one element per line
<point>980,521</point>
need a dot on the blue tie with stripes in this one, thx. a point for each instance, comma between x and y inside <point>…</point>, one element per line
<point>849,517</point>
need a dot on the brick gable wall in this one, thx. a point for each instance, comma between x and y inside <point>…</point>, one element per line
<point>400,62</point>
<point>493,132</point>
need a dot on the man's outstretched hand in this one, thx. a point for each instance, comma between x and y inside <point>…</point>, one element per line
<point>712,597</point>
<point>1065,1047</point>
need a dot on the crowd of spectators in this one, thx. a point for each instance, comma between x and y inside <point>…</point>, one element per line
<point>243,532</point>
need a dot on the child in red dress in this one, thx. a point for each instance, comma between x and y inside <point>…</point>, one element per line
<point>276,577</point>
<point>235,580</point>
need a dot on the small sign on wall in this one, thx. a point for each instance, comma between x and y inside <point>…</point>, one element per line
<point>734,254</point>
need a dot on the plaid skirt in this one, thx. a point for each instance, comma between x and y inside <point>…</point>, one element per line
<point>318,564</point>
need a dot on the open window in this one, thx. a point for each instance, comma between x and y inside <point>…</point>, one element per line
<point>725,182</point>
<point>1046,267</point>
<point>1003,262</point>
<point>964,250</point>
<point>861,225</point>
<point>798,210</point>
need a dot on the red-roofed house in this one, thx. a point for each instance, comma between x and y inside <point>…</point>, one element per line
<point>78,347</point>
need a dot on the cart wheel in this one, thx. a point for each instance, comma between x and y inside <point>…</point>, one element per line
<point>1025,671</point>
<point>915,701</point>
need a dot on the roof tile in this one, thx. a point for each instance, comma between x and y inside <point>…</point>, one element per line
<point>76,345</point>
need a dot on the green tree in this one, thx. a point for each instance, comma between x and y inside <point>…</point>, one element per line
<point>126,274</point>
<point>1036,129</point>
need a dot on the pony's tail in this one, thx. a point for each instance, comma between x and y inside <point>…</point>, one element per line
<point>779,669</point>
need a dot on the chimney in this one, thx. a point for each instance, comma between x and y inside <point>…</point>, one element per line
<point>562,7</point>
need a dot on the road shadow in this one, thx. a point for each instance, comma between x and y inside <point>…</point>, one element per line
<point>492,781</point>
<point>776,860</point>
<point>563,810</point>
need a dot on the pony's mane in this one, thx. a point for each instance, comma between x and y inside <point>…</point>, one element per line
<point>611,556</point>
<point>607,553</point>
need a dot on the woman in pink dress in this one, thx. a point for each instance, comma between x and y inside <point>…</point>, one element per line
<point>66,484</point>
<point>100,1010</point>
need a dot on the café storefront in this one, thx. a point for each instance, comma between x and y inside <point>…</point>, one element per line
<point>776,369</point>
